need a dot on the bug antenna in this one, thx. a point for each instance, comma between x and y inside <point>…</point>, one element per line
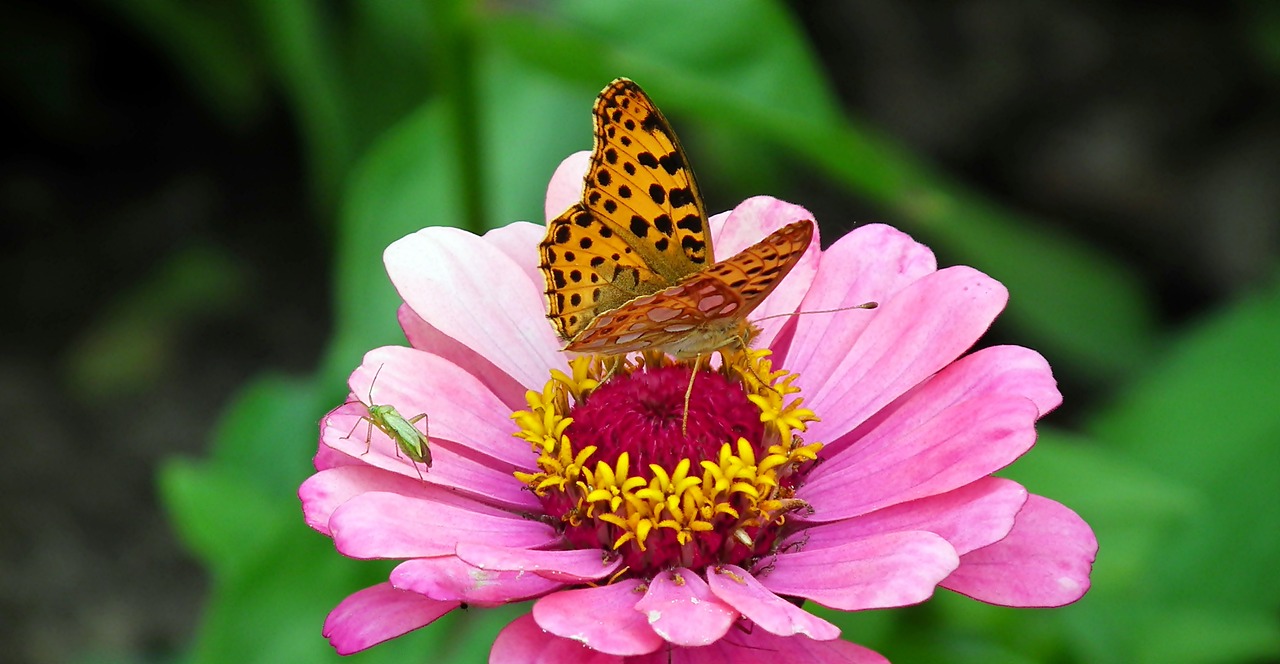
<point>375,379</point>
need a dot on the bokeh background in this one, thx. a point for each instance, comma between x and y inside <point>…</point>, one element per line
<point>195,198</point>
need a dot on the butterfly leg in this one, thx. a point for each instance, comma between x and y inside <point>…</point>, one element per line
<point>688,394</point>
<point>612,365</point>
<point>746,362</point>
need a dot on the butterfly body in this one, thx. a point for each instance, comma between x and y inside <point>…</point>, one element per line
<point>630,267</point>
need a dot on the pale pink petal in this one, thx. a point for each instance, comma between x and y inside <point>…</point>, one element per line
<point>957,446</point>
<point>448,578</point>
<point>757,646</point>
<point>342,431</point>
<point>523,642</point>
<point>326,457</point>
<point>1045,561</point>
<point>379,613</point>
<point>323,492</point>
<point>748,223</point>
<point>999,371</point>
<point>739,589</point>
<point>565,188</point>
<point>463,416</point>
<point>470,290</point>
<point>422,336</point>
<point>913,334</point>
<point>681,609</point>
<point>573,565</point>
<point>388,525</point>
<point>970,517</point>
<point>751,220</point>
<point>519,241</point>
<point>893,569</point>
<point>603,617</point>
<point>869,264</point>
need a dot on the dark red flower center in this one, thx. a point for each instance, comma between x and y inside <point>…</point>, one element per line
<point>643,414</point>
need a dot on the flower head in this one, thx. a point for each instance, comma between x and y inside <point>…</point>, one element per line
<point>664,510</point>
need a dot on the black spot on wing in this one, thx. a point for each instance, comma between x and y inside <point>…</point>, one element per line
<point>691,223</point>
<point>663,224</point>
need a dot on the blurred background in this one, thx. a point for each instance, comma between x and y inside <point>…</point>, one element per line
<point>196,195</point>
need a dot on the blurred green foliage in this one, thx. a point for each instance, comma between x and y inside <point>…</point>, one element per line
<point>456,113</point>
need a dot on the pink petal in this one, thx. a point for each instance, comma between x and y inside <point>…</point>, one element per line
<point>999,371</point>
<point>460,409</point>
<point>523,642</point>
<point>449,578</point>
<point>757,646</point>
<point>681,609</point>
<point>1045,561</point>
<point>970,517</point>
<point>343,432</point>
<point>379,613</point>
<point>893,569</point>
<point>891,465</point>
<point>565,188</point>
<point>748,223</point>
<point>326,457</point>
<point>740,590</point>
<point>449,277</point>
<point>323,492</point>
<point>569,566</point>
<point>751,220</point>
<point>423,336</point>
<point>519,241</point>
<point>869,264</point>
<point>604,618</point>
<point>388,525</point>
<point>912,335</point>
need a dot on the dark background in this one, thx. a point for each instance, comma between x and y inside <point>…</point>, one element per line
<point>1151,130</point>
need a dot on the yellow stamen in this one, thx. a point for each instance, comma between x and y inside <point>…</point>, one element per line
<point>741,488</point>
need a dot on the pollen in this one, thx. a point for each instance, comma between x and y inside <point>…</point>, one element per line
<point>622,467</point>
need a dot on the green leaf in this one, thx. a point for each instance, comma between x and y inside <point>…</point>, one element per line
<point>1206,416</point>
<point>525,134</point>
<point>222,517</point>
<point>268,434</point>
<point>1164,633</point>
<point>1131,509</point>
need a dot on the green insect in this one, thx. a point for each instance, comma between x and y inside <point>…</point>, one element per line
<point>409,440</point>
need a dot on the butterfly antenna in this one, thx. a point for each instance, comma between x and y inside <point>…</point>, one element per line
<point>864,305</point>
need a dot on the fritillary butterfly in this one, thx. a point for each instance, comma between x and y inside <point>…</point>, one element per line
<point>630,267</point>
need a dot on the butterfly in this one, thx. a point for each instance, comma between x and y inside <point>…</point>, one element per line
<point>630,267</point>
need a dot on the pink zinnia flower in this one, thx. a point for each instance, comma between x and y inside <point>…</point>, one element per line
<point>845,460</point>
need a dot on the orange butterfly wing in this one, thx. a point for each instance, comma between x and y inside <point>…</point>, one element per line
<point>640,226</point>
<point>629,267</point>
<point>705,311</point>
